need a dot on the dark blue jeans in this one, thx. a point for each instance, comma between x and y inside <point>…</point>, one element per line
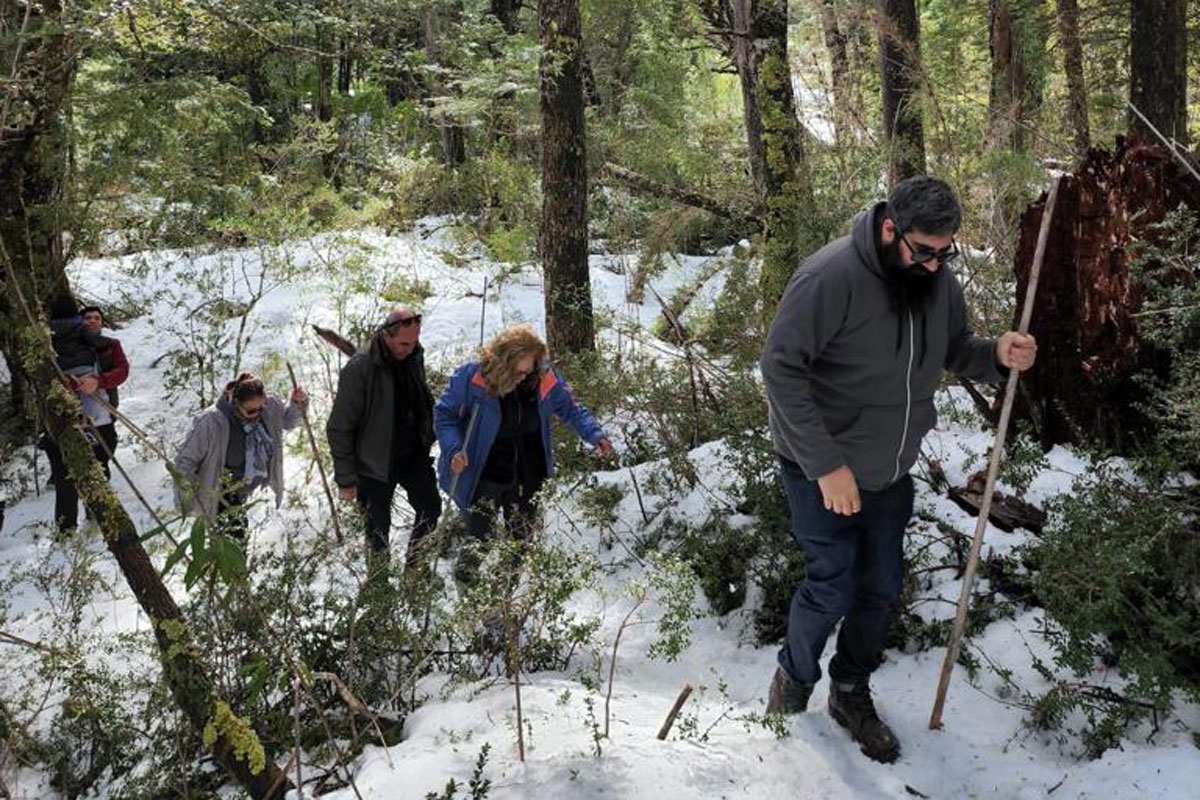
<point>853,574</point>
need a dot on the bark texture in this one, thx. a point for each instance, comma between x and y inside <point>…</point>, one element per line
<point>1068,34</point>
<point>1089,347</point>
<point>33,163</point>
<point>564,229</point>
<point>900,60</point>
<point>1158,68</point>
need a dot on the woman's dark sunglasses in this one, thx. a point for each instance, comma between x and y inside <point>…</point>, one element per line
<point>923,255</point>
<point>406,322</point>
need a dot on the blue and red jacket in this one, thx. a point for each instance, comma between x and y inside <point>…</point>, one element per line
<point>468,391</point>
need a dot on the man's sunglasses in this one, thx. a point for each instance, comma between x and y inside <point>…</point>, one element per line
<point>251,412</point>
<point>404,322</point>
<point>923,255</point>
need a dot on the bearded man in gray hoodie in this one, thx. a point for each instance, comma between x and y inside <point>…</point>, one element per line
<point>855,354</point>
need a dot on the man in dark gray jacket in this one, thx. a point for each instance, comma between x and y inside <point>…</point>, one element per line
<point>381,430</point>
<point>856,351</point>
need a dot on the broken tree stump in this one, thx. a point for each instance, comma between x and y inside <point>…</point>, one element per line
<point>1090,353</point>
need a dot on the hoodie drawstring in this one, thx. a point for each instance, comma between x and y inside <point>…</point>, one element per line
<point>924,336</point>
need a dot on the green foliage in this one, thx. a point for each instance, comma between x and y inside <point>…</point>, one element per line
<point>517,606</point>
<point>1117,567</point>
<point>675,587</point>
<point>720,556</point>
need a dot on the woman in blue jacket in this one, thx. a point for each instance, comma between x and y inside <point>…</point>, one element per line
<point>493,430</point>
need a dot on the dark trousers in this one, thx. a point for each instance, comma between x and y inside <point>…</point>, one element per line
<point>66,496</point>
<point>853,574</point>
<point>420,487</point>
<point>491,499</point>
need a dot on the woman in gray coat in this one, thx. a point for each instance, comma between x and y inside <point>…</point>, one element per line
<point>232,449</point>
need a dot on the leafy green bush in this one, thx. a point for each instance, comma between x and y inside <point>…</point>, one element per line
<point>1119,575</point>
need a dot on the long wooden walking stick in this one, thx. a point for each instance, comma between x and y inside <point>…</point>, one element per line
<point>985,506</point>
<point>312,440</point>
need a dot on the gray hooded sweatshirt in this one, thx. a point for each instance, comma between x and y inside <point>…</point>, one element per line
<point>849,379</point>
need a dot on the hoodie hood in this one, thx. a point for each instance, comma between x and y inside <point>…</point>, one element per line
<point>864,228</point>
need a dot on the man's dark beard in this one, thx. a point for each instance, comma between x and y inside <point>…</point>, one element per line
<point>908,286</point>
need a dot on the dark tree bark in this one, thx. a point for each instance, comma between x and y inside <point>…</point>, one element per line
<point>34,160</point>
<point>454,140</point>
<point>839,62</point>
<point>1009,92</point>
<point>323,99</point>
<point>1092,359</point>
<point>1068,32</point>
<point>1158,68</point>
<point>900,57</point>
<point>563,239</point>
<point>508,13</point>
<point>345,68</point>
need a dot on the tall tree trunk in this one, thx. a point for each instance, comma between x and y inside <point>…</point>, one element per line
<point>1010,76</point>
<point>900,57</point>
<point>1068,31</point>
<point>563,240</point>
<point>234,744</point>
<point>790,228</point>
<point>34,148</point>
<point>753,34</point>
<point>839,62</point>
<point>857,24</point>
<point>345,68</point>
<point>1158,68</point>
<point>742,16</point>
<point>454,142</point>
<point>323,101</point>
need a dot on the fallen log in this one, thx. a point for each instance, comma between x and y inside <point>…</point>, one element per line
<point>1007,513</point>
<point>647,185</point>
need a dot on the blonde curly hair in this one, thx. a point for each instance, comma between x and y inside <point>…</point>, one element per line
<point>498,357</point>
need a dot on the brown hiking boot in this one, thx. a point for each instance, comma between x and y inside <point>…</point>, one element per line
<point>851,706</point>
<point>786,696</point>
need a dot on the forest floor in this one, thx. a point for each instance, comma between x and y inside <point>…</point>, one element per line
<point>986,749</point>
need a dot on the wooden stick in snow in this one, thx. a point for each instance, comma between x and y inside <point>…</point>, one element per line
<point>312,440</point>
<point>985,506</point>
<point>684,694</point>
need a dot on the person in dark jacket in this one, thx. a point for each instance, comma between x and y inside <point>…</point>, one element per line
<point>75,347</point>
<point>493,429</point>
<point>381,430</point>
<point>110,356</point>
<point>855,354</point>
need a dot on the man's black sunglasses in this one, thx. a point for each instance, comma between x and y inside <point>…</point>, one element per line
<point>923,255</point>
<point>405,322</point>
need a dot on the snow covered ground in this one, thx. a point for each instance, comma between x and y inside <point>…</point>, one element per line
<point>983,752</point>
